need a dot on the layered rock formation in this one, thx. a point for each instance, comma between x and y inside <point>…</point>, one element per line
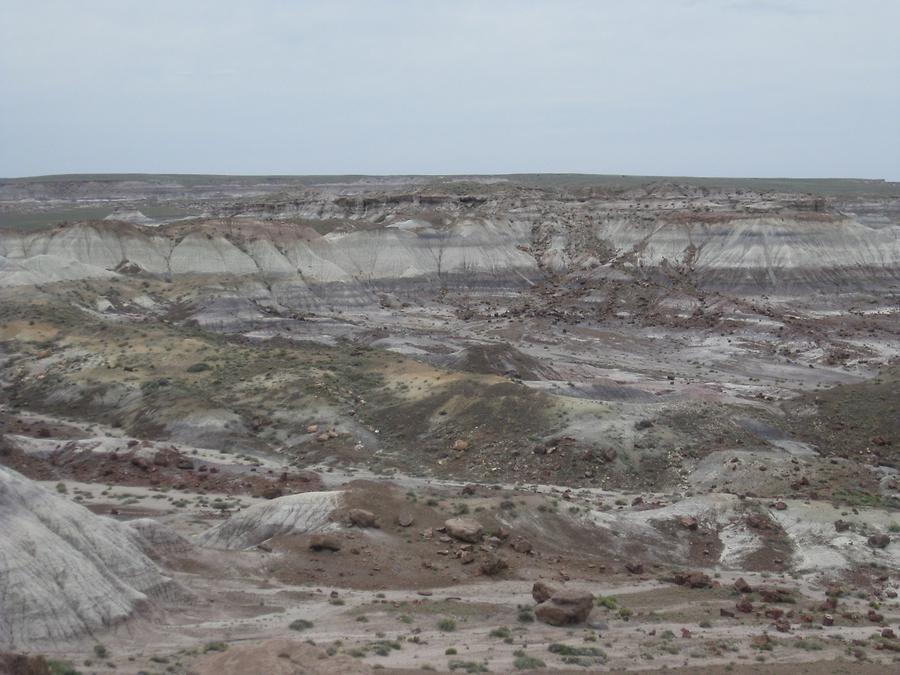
<point>477,238</point>
<point>64,571</point>
<point>293,514</point>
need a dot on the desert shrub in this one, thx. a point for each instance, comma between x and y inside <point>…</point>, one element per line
<point>468,666</point>
<point>61,668</point>
<point>447,625</point>
<point>525,662</point>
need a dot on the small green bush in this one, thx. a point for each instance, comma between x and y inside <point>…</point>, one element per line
<point>61,668</point>
<point>468,666</point>
<point>447,625</point>
<point>525,662</point>
<point>569,650</point>
<point>607,601</point>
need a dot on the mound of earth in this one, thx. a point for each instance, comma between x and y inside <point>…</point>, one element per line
<point>496,359</point>
<point>293,514</point>
<point>47,269</point>
<point>65,572</point>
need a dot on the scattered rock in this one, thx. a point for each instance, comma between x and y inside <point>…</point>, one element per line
<point>521,545</point>
<point>324,542</point>
<point>802,482</point>
<point>744,606</point>
<point>541,592</point>
<point>841,525</point>
<point>741,585</point>
<point>140,463</point>
<point>692,579</point>
<point>758,521</point>
<point>405,520</point>
<point>776,595</point>
<point>161,458</point>
<point>361,518</point>
<point>492,565</point>
<point>688,522</point>
<point>565,607</point>
<point>634,567</point>
<point>464,529</point>
<point>272,492</point>
<point>879,540</point>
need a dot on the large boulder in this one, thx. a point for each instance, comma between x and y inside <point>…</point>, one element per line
<point>464,529</point>
<point>879,541</point>
<point>692,579</point>
<point>361,518</point>
<point>565,607</point>
<point>541,592</point>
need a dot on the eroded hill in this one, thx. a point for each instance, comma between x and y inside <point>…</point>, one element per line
<point>677,397</point>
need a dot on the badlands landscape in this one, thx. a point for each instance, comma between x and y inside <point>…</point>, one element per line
<point>469,423</point>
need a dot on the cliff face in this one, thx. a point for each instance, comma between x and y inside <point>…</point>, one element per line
<point>480,248</point>
<point>745,243</point>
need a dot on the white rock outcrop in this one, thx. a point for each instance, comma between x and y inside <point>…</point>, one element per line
<point>499,244</point>
<point>292,514</point>
<point>66,572</point>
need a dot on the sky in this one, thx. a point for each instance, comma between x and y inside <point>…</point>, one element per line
<point>798,88</point>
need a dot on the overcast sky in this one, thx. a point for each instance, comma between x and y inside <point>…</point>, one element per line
<point>664,87</point>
